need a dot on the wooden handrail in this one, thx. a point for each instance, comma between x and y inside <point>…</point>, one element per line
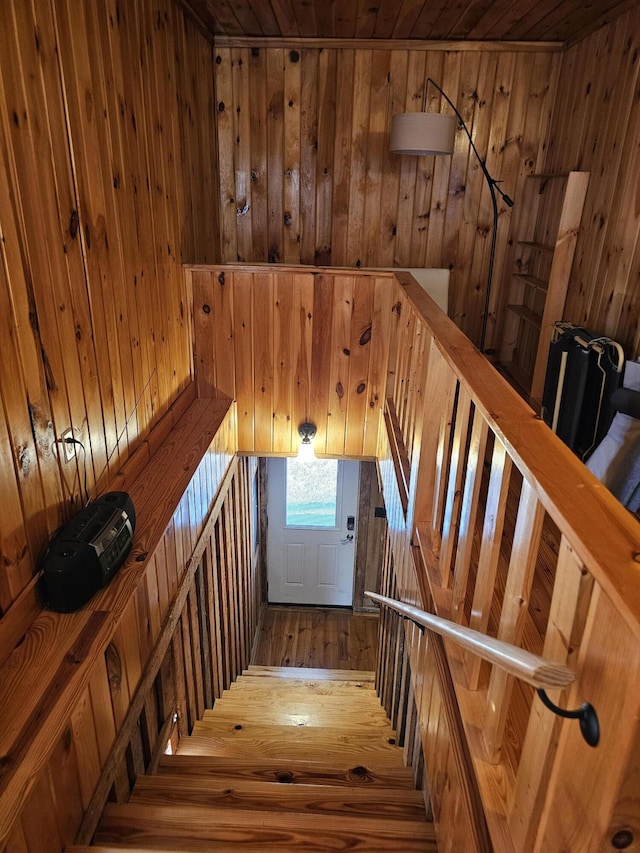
<point>541,673</point>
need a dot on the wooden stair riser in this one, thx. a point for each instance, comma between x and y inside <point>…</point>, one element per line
<point>267,796</point>
<point>278,687</point>
<point>313,735</point>
<point>303,715</point>
<point>339,772</point>
<point>357,751</point>
<point>337,703</point>
<point>192,828</point>
<point>304,673</point>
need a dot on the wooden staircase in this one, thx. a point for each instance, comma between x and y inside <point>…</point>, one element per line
<point>289,759</point>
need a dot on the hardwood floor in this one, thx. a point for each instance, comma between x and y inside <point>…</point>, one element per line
<point>322,637</point>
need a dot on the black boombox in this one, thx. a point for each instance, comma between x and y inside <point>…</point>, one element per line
<point>87,552</point>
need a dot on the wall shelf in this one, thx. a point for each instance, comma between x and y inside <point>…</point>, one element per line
<point>534,292</point>
<point>537,247</point>
<point>526,314</point>
<point>538,283</point>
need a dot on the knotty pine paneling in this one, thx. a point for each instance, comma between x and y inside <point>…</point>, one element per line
<point>291,346</point>
<point>596,127</point>
<point>306,175</point>
<point>106,140</point>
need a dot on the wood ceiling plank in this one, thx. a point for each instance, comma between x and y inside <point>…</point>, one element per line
<point>388,12</point>
<point>490,24</point>
<point>201,12</point>
<point>306,17</point>
<point>428,16</point>
<point>365,19</point>
<point>326,18</point>
<point>250,22</point>
<point>222,12</point>
<point>533,21</point>
<point>562,20</point>
<point>600,20</point>
<point>266,17</point>
<point>286,17</point>
<point>407,16</point>
<point>472,14</point>
<point>570,17</point>
<point>346,20</point>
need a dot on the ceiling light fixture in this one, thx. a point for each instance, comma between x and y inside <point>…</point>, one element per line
<point>307,432</point>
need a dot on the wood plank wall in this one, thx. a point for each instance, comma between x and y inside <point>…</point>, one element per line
<point>291,346</point>
<point>106,140</point>
<point>306,175</point>
<point>596,127</point>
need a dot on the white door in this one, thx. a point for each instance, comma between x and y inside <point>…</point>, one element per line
<point>311,509</point>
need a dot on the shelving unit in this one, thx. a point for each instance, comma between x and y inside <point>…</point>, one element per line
<point>545,240</point>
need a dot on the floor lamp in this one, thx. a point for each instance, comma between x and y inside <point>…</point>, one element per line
<point>426,133</point>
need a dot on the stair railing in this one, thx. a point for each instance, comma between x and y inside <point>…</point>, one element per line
<point>543,674</point>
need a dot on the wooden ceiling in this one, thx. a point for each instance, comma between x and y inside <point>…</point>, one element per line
<point>564,21</point>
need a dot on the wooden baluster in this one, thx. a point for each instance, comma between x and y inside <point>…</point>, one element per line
<point>403,363</point>
<point>524,553</point>
<point>443,459</point>
<point>489,553</point>
<point>428,484</point>
<point>571,595</point>
<point>454,488</point>
<point>468,513</point>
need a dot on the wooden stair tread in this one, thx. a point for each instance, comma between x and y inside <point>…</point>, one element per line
<point>357,752</point>
<point>301,715</point>
<point>337,732</point>
<point>191,828</point>
<point>300,672</point>
<point>346,701</point>
<point>313,747</point>
<point>260,691</point>
<point>339,772</point>
<point>260,796</point>
<point>261,687</point>
<point>323,705</point>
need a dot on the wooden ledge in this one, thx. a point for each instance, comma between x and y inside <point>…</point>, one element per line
<point>45,675</point>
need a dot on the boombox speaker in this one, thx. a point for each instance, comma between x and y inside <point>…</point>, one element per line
<point>87,552</point>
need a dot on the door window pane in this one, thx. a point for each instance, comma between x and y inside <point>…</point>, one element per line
<point>311,493</point>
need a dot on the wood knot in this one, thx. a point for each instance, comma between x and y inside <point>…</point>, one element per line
<point>284,778</point>
<point>365,337</point>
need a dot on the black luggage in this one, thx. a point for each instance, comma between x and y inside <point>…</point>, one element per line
<point>582,373</point>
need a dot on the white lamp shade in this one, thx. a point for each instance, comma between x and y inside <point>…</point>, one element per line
<point>423,133</point>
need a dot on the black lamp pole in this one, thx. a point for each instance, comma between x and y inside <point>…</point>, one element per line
<point>493,189</point>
